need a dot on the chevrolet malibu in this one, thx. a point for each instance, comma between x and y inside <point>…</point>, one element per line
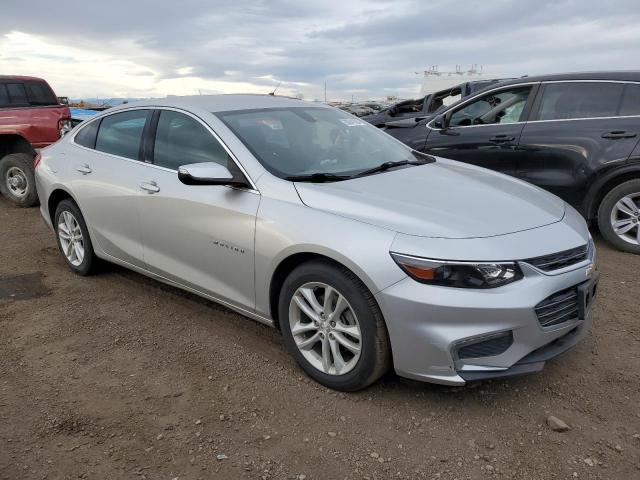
<point>367,255</point>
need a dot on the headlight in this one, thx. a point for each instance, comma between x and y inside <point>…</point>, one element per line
<point>458,274</point>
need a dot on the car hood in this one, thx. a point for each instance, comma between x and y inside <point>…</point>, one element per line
<point>444,199</point>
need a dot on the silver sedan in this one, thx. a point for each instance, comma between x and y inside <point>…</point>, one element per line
<point>366,254</point>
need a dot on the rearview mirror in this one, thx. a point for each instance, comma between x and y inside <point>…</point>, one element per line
<point>208,173</point>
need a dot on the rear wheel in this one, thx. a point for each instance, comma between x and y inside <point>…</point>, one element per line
<point>333,326</point>
<point>619,216</point>
<point>17,181</point>
<point>73,239</point>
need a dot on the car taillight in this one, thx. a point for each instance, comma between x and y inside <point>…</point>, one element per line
<point>64,126</point>
<point>36,160</point>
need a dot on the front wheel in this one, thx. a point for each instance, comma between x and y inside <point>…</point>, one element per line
<point>17,181</point>
<point>619,216</point>
<point>333,326</point>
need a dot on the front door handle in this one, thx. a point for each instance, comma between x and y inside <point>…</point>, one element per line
<point>502,139</point>
<point>618,134</point>
<point>150,187</point>
<point>84,169</point>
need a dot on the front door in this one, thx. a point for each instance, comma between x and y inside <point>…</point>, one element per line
<point>484,131</point>
<point>201,236</point>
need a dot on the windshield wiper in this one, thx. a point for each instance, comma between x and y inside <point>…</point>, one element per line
<point>318,177</point>
<point>387,165</point>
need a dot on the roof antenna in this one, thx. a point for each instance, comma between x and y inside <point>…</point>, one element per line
<point>275,89</point>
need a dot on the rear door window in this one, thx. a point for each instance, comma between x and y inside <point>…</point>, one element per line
<point>121,133</point>
<point>570,100</point>
<point>39,93</point>
<point>630,100</point>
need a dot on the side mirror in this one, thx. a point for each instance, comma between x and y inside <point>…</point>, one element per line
<point>441,122</point>
<point>208,173</point>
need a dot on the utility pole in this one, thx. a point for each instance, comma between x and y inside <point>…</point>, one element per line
<point>325,92</point>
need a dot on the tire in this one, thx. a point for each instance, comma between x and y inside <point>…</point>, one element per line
<point>17,180</point>
<point>361,311</point>
<point>65,211</point>
<point>608,212</point>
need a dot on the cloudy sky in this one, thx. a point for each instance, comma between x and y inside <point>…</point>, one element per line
<point>368,49</point>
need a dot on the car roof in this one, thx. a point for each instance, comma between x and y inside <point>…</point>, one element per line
<point>20,78</point>
<point>621,76</point>
<point>223,103</point>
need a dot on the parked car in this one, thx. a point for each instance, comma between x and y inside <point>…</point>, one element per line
<point>357,109</point>
<point>575,135</point>
<point>30,118</point>
<point>365,253</point>
<point>426,106</point>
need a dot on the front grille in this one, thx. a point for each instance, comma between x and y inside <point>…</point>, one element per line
<point>487,348</point>
<point>559,260</point>
<point>558,308</point>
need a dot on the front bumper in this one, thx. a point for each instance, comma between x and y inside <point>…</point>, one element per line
<point>428,325</point>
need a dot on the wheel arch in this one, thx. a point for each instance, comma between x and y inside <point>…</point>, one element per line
<point>599,189</point>
<point>15,143</point>
<point>292,260</point>
<point>58,195</point>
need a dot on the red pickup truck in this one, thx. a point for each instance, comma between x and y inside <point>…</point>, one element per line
<point>30,118</point>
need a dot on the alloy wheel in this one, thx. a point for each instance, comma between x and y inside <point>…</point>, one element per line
<point>71,239</point>
<point>625,218</point>
<point>16,181</point>
<point>325,328</point>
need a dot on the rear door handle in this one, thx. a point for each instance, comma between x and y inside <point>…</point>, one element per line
<point>618,134</point>
<point>502,139</point>
<point>150,187</point>
<point>84,169</point>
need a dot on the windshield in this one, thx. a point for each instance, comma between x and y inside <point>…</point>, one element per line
<point>309,140</point>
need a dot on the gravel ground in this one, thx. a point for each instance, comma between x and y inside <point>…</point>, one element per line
<point>117,376</point>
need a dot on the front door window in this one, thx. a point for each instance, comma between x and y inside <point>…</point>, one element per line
<point>503,107</point>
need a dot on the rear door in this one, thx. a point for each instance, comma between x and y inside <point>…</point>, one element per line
<point>106,168</point>
<point>485,130</point>
<point>577,130</point>
<point>201,236</point>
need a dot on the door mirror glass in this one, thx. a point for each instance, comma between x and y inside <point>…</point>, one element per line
<point>207,173</point>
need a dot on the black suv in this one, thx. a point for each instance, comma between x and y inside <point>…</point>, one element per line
<point>575,135</point>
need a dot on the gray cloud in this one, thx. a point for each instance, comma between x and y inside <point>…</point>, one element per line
<point>372,47</point>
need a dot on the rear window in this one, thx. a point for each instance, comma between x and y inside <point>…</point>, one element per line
<point>39,93</point>
<point>561,101</point>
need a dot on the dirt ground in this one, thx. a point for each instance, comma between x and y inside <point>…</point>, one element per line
<point>117,376</point>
